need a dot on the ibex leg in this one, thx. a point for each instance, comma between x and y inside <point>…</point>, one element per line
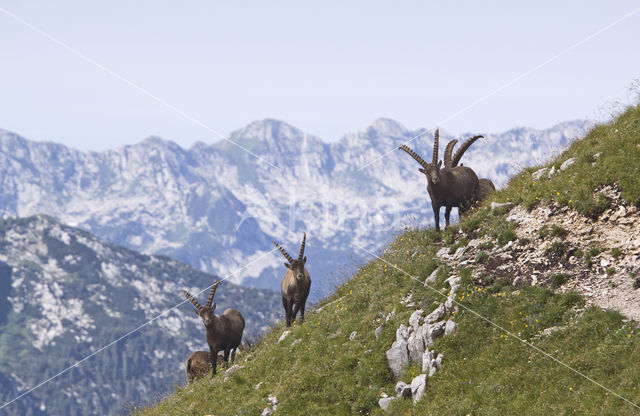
<point>304,303</point>
<point>447,214</point>
<point>436,216</point>
<point>287,311</point>
<point>296,308</point>
<point>226,358</point>
<point>213,354</point>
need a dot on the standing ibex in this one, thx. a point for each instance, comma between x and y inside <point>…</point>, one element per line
<point>295,284</point>
<point>485,186</point>
<point>448,187</point>
<point>224,332</point>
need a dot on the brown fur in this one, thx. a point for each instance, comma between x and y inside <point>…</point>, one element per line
<point>295,284</point>
<point>223,332</point>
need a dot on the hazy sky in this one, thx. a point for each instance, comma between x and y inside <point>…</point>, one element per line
<point>327,67</point>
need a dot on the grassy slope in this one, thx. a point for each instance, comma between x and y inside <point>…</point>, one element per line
<point>485,371</point>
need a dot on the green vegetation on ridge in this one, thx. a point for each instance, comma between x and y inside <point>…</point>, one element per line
<point>486,370</point>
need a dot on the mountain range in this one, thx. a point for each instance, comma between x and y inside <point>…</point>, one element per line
<point>218,208</point>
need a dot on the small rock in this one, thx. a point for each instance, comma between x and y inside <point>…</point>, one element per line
<point>450,327</point>
<point>414,319</point>
<point>335,334</point>
<point>385,402</point>
<point>267,411</point>
<point>551,330</point>
<point>604,263</point>
<point>273,400</point>
<point>597,155</point>
<point>567,163</point>
<point>432,277</point>
<point>496,205</point>
<point>443,252</point>
<point>390,315</point>
<point>378,331</point>
<point>353,335</point>
<point>297,341</point>
<point>402,332</point>
<point>427,358</point>
<point>517,281</point>
<point>407,298</point>
<point>459,252</point>
<point>284,335</point>
<point>258,386</point>
<point>415,345</point>
<point>538,174</point>
<point>453,280</point>
<point>439,361</point>
<point>403,389</point>
<point>436,315</point>
<point>534,280</point>
<point>552,171</point>
<point>398,357</point>
<point>231,370</point>
<point>431,332</point>
<point>418,384</point>
<point>518,218</point>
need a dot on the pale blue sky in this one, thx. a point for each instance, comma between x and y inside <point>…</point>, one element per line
<point>327,67</point>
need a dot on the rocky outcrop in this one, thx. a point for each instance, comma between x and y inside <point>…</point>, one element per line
<point>413,341</point>
<point>599,258</point>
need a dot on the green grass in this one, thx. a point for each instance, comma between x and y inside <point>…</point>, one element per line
<point>555,231</point>
<point>558,280</point>
<point>619,146</point>
<point>482,256</point>
<point>557,248</point>
<point>487,369</point>
<point>616,253</point>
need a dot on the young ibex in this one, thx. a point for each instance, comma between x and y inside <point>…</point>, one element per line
<point>485,186</point>
<point>197,365</point>
<point>224,332</point>
<point>295,284</point>
<point>448,187</point>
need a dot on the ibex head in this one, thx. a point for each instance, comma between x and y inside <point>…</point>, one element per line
<point>295,265</point>
<point>205,312</point>
<point>431,170</point>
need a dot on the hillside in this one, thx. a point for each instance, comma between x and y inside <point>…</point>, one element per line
<point>64,294</point>
<point>531,334</point>
<point>215,207</point>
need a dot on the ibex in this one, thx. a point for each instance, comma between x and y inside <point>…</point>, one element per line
<point>197,365</point>
<point>224,332</point>
<point>448,187</point>
<point>485,186</point>
<point>295,284</point>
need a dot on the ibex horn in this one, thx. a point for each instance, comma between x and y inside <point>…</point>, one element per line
<point>212,293</point>
<point>284,253</point>
<point>193,300</point>
<point>304,239</point>
<point>462,149</point>
<point>415,156</point>
<point>447,153</point>
<point>436,137</point>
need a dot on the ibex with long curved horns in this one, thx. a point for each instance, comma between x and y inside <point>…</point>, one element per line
<point>485,186</point>
<point>296,284</point>
<point>448,187</point>
<point>224,332</point>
